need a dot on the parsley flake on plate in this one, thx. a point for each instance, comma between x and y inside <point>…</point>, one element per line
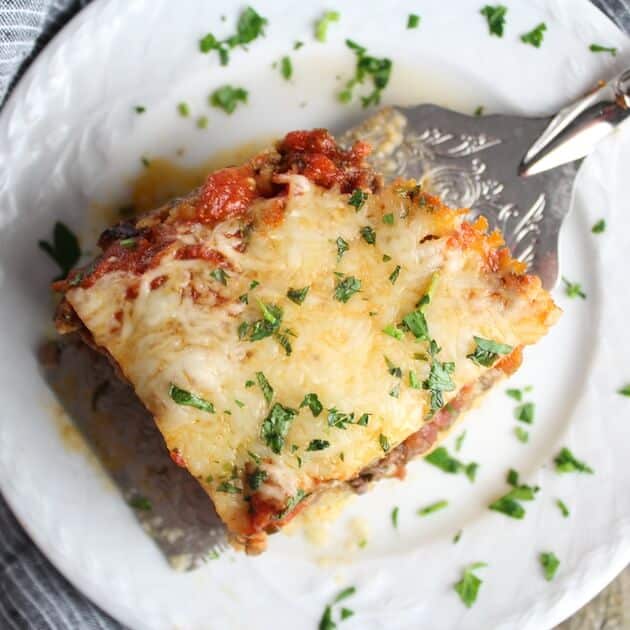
<point>228,487</point>
<point>624,391</point>
<point>276,425</point>
<point>64,249</point>
<point>509,504</point>
<point>525,412</point>
<point>599,227</point>
<point>413,21</point>
<point>573,289</point>
<point>388,219</point>
<point>517,394</point>
<point>183,109</point>
<point>521,435</point>
<point>478,111</point>
<point>378,70</point>
<point>439,379</point>
<point>286,68</point>
<point>487,351</point>
<point>393,276</point>
<point>440,458</point>
<point>564,510</point>
<point>566,462</point>
<point>468,586</point>
<point>186,398</point>
<point>597,48</point>
<point>228,97</point>
<point>394,331</point>
<point>383,440</point>
<point>321,26</point>
<point>549,563</point>
<point>394,517</point>
<point>459,441</point>
<point>202,122</point>
<point>433,507</point>
<point>346,288</point>
<point>250,26</point>
<point>535,36</point>
<point>140,109</point>
<point>457,537</point>
<point>297,295</point>
<point>495,16</point>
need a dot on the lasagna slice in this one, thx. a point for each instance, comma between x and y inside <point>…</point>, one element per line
<point>295,325</point>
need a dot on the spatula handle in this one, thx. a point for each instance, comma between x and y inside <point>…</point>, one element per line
<point>575,130</point>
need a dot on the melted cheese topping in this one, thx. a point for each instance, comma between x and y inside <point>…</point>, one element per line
<point>184,332</point>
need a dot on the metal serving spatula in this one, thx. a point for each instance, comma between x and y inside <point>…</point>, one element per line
<point>516,171</point>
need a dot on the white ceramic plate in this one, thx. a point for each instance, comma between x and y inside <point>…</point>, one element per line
<point>69,136</point>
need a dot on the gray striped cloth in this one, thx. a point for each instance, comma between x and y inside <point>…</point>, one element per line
<point>33,595</point>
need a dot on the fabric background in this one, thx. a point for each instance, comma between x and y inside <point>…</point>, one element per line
<point>33,594</point>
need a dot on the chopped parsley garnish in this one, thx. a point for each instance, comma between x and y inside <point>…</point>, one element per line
<point>255,457</point>
<point>128,243</point>
<point>393,276</point>
<point>346,613</point>
<point>379,70</point>
<point>487,351</point>
<point>253,284</point>
<point>291,503</point>
<point>358,199</point>
<point>478,111</point>
<point>141,503</point>
<point>298,44</point>
<point>433,507</point>
<point>521,435</point>
<point>468,587</point>
<point>286,67</point>
<point>414,382</point>
<point>388,219</point>
<point>64,249</point>
<point>394,517</point>
<point>220,276</point>
<point>441,458</point>
<point>317,445</point>
<point>624,391</point>
<point>183,397</point>
<point>573,289</point>
<point>244,298</point>
<point>509,504</point>
<point>140,109</point>
<point>383,440</point>
<point>346,288</point>
<point>239,403</point>
<point>535,36</point>
<point>561,505</point>
<point>368,234</point>
<point>386,258</point>
<point>413,21</point>
<point>326,622</point>
<point>459,441</point>
<point>393,369</point>
<point>321,26</point>
<point>394,331</point>
<point>213,555</point>
<point>596,48</point>
<point>344,594</point>
<point>599,227</point>
<point>457,537</point>
<point>525,412</point>
<point>517,394</point>
<point>313,403</point>
<point>264,385</point>
<point>363,420</point>
<point>495,15</point>
<point>297,295</point>
<point>416,323</point>
<point>145,161</point>
<point>550,563</point>
<point>255,479</point>
<point>394,392</point>
<point>183,109</point>
<point>202,122</point>
<point>439,379</point>
<point>228,97</point>
<point>339,419</point>
<point>249,383</point>
<point>268,326</point>
<point>566,462</point>
<point>228,487</point>
<point>276,426</point>
<point>250,26</point>
<point>342,247</point>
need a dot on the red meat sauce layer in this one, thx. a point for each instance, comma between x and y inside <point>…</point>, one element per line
<point>137,245</point>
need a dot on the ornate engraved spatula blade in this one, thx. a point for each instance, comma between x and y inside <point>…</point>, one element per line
<point>472,162</point>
